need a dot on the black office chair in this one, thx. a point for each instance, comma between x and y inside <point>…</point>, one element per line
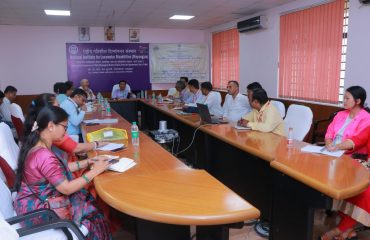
<point>54,223</point>
<point>318,134</point>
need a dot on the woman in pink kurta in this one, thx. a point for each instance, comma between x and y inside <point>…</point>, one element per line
<point>351,121</point>
<point>355,209</point>
<point>42,177</point>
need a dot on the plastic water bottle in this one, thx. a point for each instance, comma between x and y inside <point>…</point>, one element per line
<point>290,137</point>
<point>153,97</point>
<point>135,135</point>
<point>160,98</point>
<point>108,109</point>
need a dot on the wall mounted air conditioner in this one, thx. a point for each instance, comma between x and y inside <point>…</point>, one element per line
<point>365,1</point>
<point>252,24</point>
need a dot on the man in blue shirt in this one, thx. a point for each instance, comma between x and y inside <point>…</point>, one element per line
<point>75,107</point>
<point>122,92</point>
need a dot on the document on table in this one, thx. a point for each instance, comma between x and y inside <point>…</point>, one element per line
<point>237,127</point>
<point>101,121</point>
<point>123,165</point>
<point>111,146</point>
<point>321,150</point>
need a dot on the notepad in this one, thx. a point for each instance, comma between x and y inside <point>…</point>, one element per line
<point>321,150</point>
<point>111,146</point>
<point>237,127</point>
<point>101,121</point>
<point>123,165</point>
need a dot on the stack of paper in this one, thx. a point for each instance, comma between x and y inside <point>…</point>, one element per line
<point>123,165</point>
<point>321,150</point>
<point>237,127</point>
<point>111,146</point>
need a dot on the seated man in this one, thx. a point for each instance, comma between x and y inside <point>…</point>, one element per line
<point>60,90</point>
<point>122,92</point>
<point>212,99</point>
<point>185,95</point>
<point>116,86</point>
<point>197,96</point>
<point>85,86</point>
<point>10,124</point>
<point>236,105</point>
<point>10,94</point>
<point>75,107</point>
<point>264,116</point>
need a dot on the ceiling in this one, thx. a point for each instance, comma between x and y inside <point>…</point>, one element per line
<point>131,13</point>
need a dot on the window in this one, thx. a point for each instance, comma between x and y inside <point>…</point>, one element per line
<point>311,47</point>
<point>225,57</point>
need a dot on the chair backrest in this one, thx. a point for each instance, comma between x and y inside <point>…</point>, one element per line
<point>8,172</point>
<point>299,118</point>
<point>280,107</point>
<point>16,111</point>
<point>18,124</point>
<point>6,201</point>
<point>9,150</point>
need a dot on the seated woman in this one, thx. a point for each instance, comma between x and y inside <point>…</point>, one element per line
<point>357,208</point>
<point>42,177</point>
<point>351,121</point>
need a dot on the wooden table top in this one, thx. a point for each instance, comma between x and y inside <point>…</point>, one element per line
<point>260,144</point>
<point>339,178</point>
<point>161,188</point>
<point>178,196</point>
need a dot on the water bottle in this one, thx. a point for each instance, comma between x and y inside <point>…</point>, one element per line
<point>135,135</point>
<point>290,137</point>
<point>153,97</point>
<point>108,109</point>
<point>160,98</point>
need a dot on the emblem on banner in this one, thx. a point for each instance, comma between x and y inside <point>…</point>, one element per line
<point>73,49</point>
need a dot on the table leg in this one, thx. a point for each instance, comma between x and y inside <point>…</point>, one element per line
<point>293,208</point>
<point>147,230</point>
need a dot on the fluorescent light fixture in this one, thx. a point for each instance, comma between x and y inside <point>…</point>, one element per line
<point>57,12</point>
<point>181,17</point>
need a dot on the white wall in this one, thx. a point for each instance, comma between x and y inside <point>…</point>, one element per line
<point>259,50</point>
<point>34,58</point>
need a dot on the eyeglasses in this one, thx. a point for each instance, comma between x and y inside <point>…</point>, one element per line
<point>65,126</point>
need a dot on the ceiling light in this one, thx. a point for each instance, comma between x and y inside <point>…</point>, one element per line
<point>181,17</point>
<point>57,12</point>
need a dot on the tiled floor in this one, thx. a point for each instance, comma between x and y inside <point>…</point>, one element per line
<point>322,223</point>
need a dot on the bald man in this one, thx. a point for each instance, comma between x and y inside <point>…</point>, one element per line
<point>85,86</point>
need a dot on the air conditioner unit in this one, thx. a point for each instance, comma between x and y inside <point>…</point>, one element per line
<point>252,24</point>
<point>365,1</point>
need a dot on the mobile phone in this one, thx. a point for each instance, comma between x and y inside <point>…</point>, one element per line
<point>118,149</point>
<point>113,161</point>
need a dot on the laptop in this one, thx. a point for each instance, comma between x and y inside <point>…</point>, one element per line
<point>206,117</point>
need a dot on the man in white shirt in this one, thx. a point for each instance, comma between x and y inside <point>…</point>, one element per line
<point>212,99</point>
<point>236,105</point>
<point>85,86</point>
<point>197,96</point>
<point>10,95</point>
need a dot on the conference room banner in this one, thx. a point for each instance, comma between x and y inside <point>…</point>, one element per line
<point>168,62</point>
<point>105,64</point>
